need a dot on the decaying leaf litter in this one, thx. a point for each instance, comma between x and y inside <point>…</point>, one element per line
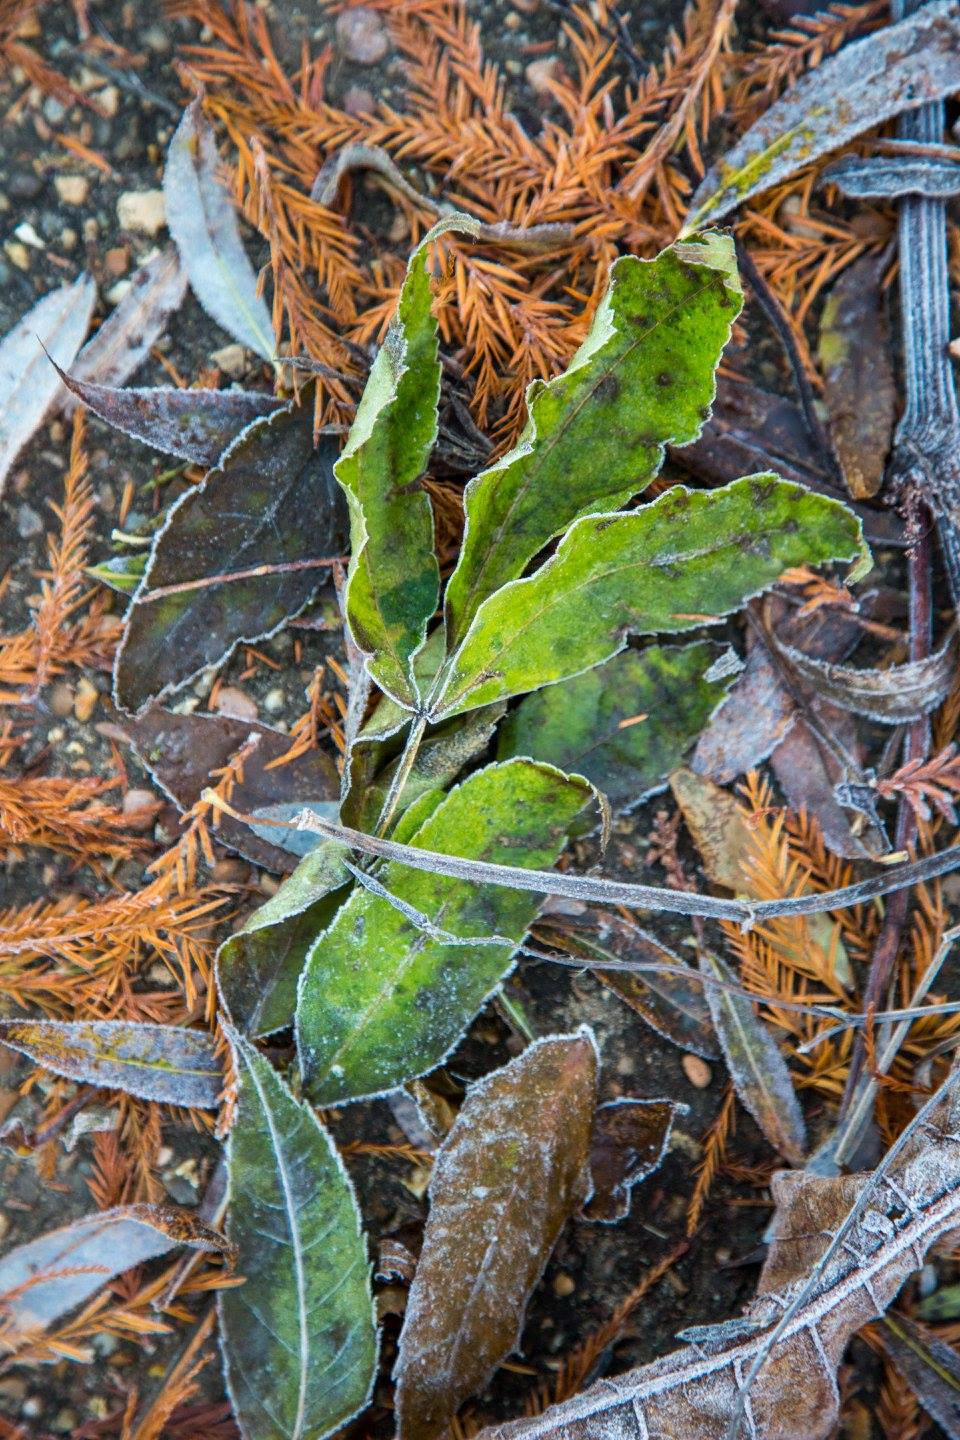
<point>110,967</point>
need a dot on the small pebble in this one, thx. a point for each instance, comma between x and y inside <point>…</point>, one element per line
<point>25,185</point>
<point>117,292</point>
<point>362,36</point>
<point>697,1071</point>
<point>26,233</point>
<point>17,254</point>
<point>108,99</point>
<point>236,703</point>
<point>140,808</point>
<point>72,189</point>
<point>540,73</point>
<point>85,699</point>
<point>60,699</point>
<point>117,261</point>
<point>142,210</point>
<point>564,1285</point>
<point>357,100</point>
<point>274,700</point>
<point>68,237</point>
<point>232,360</point>
<point>29,523</point>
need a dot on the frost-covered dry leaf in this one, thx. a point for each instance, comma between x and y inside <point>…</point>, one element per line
<point>46,1277</point>
<point>624,725</point>
<point>167,1063</point>
<point>629,1140</point>
<point>234,558</point>
<point>299,1338</point>
<point>507,1177</point>
<point>930,1367</point>
<point>181,752</point>
<point>719,828</point>
<point>897,68</point>
<point>259,966</point>
<point>203,222</point>
<point>126,337</point>
<point>29,384</point>
<point>891,696</point>
<point>381,998</point>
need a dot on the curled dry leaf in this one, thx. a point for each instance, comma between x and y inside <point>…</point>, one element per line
<point>126,337</point>
<point>196,425</point>
<point>693,1392</point>
<point>181,752</point>
<point>893,696</point>
<point>628,1143</point>
<point>202,220</point>
<point>507,1177</point>
<point>857,364</point>
<point>930,1367</point>
<point>56,1272</point>
<point>757,1069</point>
<point>234,558</point>
<point>29,384</point>
<point>299,1338</point>
<point>898,68</point>
<point>157,1062</point>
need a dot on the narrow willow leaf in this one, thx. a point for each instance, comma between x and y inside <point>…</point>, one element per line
<point>126,337</point>
<point>29,384</point>
<point>856,359</point>
<point>299,1338</point>
<point>688,558</point>
<point>258,967</point>
<point>643,378</point>
<point>897,68</point>
<point>56,1272</point>
<point>381,1000</point>
<point>202,220</point>
<point>757,1069</point>
<point>235,558</point>
<point>506,1179</point>
<point>394,580</point>
<point>930,1367</point>
<point>624,725</point>
<point>156,1062</point>
<point>628,1143</point>
<point>197,425</point>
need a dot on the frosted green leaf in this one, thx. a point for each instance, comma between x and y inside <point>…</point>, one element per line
<point>687,559</point>
<point>394,580</point>
<point>381,999</point>
<point>642,379</point>
<point>299,1338</point>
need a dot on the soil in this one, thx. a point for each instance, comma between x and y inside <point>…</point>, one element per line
<point>594,1266</point>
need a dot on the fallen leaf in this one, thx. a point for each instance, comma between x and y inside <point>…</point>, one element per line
<point>506,1179</point>
<point>893,696</point>
<point>299,1339</point>
<point>29,384</point>
<point>234,558</point>
<point>719,828</point>
<point>181,752</point>
<point>892,70</point>
<point>46,1277</point>
<point>930,1367</point>
<point>383,1000</point>
<point>808,778</point>
<point>628,1143</point>
<point>757,1069</point>
<point>203,222</point>
<point>857,364</point>
<point>126,337</point>
<point>258,967</point>
<point>624,725</point>
<point>166,1063</point>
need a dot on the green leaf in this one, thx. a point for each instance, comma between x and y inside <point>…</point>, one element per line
<point>237,555</point>
<point>258,967</point>
<point>381,1000</point>
<point>394,580</point>
<point>642,379</point>
<point>167,1063</point>
<point>299,1338</point>
<point>507,1177</point>
<point>624,725</point>
<point>687,559</point>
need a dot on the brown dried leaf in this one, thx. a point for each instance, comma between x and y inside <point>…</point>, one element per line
<point>717,823</point>
<point>930,1367</point>
<point>857,364</point>
<point>46,1277</point>
<point>125,338</point>
<point>893,696</point>
<point>629,1141</point>
<point>507,1177</point>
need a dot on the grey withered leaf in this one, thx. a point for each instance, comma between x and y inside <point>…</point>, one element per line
<point>46,1277</point>
<point>929,1365</point>
<point>168,1063</point>
<point>181,753</point>
<point>512,1169</point>
<point>898,68</point>
<point>628,1143</point>
<point>237,556</point>
<point>892,696</point>
<point>125,338</point>
<point>196,425</point>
